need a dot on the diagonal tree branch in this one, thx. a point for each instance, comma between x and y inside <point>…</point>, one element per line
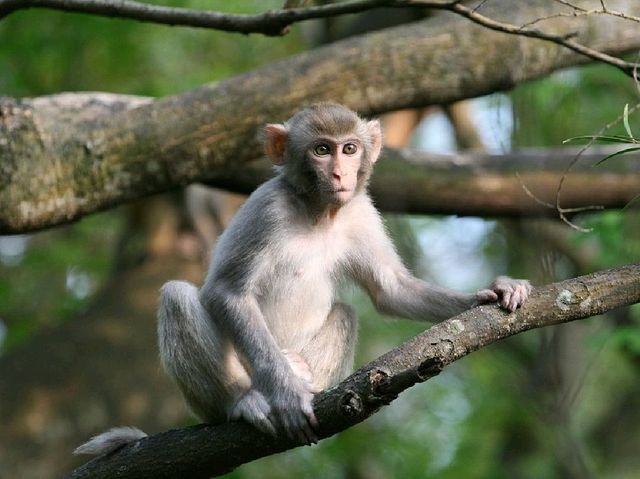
<point>565,39</point>
<point>204,451</point>
<point>517,184</point>
<point>277,22</point>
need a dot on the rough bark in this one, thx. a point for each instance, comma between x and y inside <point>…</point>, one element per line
<point>480,184</point>
<point>54,169</point>
<point>206,450</point>
<point>405,180</point>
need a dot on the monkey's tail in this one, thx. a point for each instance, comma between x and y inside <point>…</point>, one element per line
<point>110,440</point>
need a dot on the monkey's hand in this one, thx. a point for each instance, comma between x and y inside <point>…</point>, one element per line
<point>510,293</point>
<point>254,408</point>
<point>288,407</point>
<point>292,409</point>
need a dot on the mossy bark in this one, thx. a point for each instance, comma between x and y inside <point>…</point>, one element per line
<point>56,167</point>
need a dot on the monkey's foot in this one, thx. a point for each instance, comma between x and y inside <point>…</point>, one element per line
<point>301,369</point>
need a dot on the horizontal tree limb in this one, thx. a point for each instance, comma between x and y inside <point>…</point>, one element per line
<point>55,168</point>
<point>270,23</point>
<point>518,184</point>
<point>206,450</point>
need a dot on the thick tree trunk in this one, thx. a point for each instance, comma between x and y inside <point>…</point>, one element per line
<point>54,168</point>
<point>205,451</point>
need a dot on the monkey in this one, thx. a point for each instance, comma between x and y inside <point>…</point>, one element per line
<point>266,331</point>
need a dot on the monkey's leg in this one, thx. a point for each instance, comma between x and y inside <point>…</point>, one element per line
<point>298,365</point>
<point>196,356</point>
<point>330,353</point>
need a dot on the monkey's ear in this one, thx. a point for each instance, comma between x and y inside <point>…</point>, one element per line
<point>275,142</point>
<point>375,133</point>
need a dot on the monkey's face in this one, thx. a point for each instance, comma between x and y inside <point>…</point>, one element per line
<point>325,151</point>
<point>336,163</point>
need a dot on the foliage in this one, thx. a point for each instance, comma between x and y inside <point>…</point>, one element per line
<point>56,275</point>
<point>509,411</point>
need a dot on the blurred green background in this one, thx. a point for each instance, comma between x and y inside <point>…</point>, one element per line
<point>562,402</point>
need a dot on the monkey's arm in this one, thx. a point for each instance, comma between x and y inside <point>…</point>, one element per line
<point>394,290</point>
<point>278,399</point>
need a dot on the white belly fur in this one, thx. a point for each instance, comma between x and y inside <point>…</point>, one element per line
<point>298,289</point>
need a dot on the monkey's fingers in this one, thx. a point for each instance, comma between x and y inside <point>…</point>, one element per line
<point>310,416</point>
<point>309,423</point>
<point>506,299</point>
<point>262,422</point>
<point>516,300</point>
<point>314,388</point>
<point>522,291</point>
<point>310,434</point>
<point>254,409</point>
<point>296,427</point>
<point>486,296</point>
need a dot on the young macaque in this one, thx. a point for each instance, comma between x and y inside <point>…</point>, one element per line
<point>266,330</point>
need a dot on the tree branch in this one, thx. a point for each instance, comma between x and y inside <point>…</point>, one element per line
<point>60,159</point>
<point>204,451</point>
<point>565,39</point>
<point>517,184</point>
<point>277,22</point>
<point>270,23</point>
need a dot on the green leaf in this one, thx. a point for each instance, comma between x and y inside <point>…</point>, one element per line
<point>617,153</point>
<point>625,120</point>
<point>602,139</point>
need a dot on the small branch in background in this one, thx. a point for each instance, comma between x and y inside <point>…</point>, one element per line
<point>578,11</point>
<point>562,212</point>
<point>565,40</point>
<point>277,22</point>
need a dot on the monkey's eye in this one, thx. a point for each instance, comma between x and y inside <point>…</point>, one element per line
<point>322,149</point>
<point>349,149</point>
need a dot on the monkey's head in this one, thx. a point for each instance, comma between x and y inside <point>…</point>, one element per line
<point>326,151</point>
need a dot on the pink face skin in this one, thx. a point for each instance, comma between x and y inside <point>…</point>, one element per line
<point>339,162</point>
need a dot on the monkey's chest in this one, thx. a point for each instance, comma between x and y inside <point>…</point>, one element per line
<point>297,292</point>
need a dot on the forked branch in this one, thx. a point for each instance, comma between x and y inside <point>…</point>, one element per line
<point>205,451</point>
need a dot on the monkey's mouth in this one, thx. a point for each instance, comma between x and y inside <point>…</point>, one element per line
<point>343,194</point>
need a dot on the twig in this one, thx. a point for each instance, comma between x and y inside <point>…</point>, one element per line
<point>276,22</point>
<point>271,23</point>
<point>577,158</point>
<point>562,212</point>
<point>564,40</point>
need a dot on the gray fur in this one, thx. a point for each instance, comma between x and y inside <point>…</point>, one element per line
<point>110,440</point>
<point>270,294</point>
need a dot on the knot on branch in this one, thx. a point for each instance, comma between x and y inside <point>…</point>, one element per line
<point>430,368</point>
<point>379,381</point>
<point>350,404</point>
<point>381,387</point>
<point>565,299</point>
